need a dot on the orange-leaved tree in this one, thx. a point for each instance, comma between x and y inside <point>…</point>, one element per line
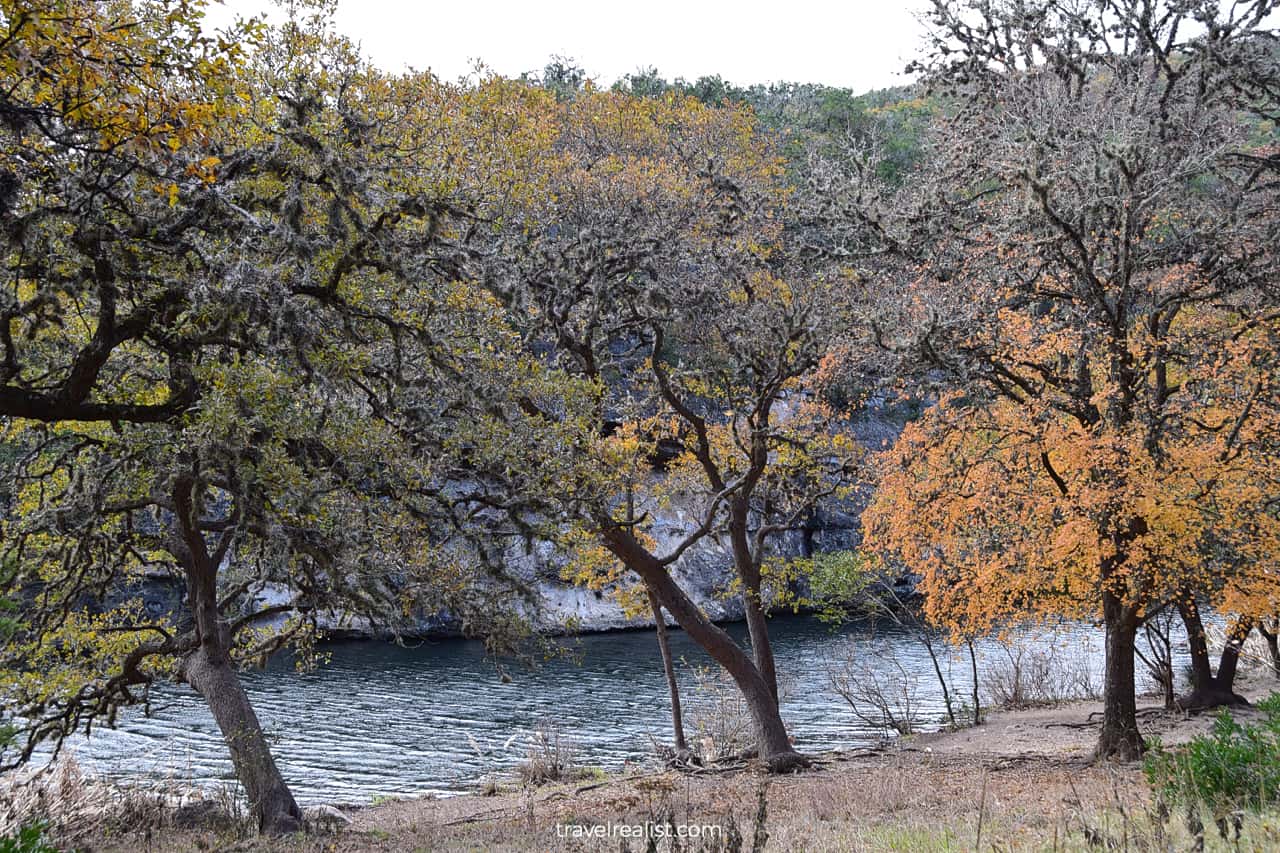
<point>1084,265</point>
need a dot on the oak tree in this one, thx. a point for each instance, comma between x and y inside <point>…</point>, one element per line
<point>214,256</point>
<point>652,271</point>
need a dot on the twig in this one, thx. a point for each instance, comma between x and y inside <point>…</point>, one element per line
<point>476,818</point>
<point>982,808</point>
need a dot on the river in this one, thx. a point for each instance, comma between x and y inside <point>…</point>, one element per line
<point>380,720</point>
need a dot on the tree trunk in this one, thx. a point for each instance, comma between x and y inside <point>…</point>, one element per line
<point>1209,690</point>
<point>1197,644</point>
<point>1160,663</point>
<point>775,748</point>
<point>1273,644</point>
<point>1119,738</point>
<point>1229,663</point>
<point>1167,690</point>
<point>673,686</point>
<point>761,646</point>
<point>209,670</point>
<point>977,697</point>
<point>748,570</point>
<point>937,670</point>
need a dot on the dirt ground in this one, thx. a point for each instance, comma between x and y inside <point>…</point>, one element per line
<point>1067,732</point>
<point>1021,781</point>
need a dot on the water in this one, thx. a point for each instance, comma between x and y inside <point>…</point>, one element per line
<point>380,720</point>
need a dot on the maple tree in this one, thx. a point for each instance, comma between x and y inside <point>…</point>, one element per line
<point>1083,267</point>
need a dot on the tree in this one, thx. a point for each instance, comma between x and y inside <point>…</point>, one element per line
<point>1084,265</point>
<point>650,270</point>
<point>108,111</point>
<point>1209,689</point>
<point>213,259</point>
<point>1267,628</point>
<point>562,76</point>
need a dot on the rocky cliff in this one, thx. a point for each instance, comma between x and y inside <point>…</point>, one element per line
<point>704,571</point>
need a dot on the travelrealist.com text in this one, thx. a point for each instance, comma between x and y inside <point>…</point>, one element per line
<point>638,830</point>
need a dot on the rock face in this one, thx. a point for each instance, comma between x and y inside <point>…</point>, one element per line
<point>704,571</point>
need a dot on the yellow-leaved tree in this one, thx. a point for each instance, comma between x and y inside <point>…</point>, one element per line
<point>222,256</point>
<point>653,268</point>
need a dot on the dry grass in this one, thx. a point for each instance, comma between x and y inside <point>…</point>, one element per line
<point>907,801</point>
<point>1029,675</point>
<point>78,807</point>
<point>717,720</point>
<point>550,757</point>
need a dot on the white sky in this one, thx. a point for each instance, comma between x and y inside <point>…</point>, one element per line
<point>861,44</point>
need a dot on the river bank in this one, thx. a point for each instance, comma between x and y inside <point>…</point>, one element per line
<point>442,718</point>
<point>1021,781</point>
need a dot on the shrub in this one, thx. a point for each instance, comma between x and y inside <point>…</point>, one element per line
<point>719,717</point>
<point>550,758</point>
<point>28,839</point>
<point>1026,675</point>
<point>1233,768</point>
<point>882,692</point>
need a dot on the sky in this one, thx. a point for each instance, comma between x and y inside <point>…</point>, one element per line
<point>859,44</point>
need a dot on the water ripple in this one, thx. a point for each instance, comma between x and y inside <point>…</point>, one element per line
<point>382,720</point>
